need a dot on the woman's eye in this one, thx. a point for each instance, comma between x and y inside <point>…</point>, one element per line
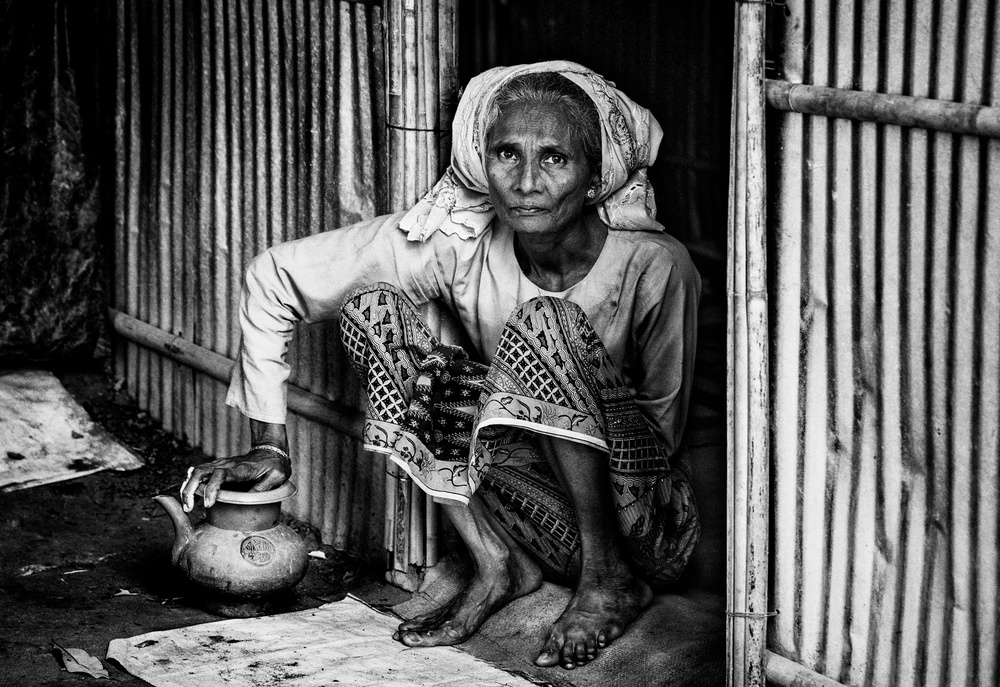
<point>505,154</point>
<point>557,159</point>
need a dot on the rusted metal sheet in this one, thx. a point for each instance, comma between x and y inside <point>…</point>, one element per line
<point>240,124</point>
<point>886,349</point>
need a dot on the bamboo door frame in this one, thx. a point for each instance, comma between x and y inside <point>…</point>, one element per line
<point>422,72</point>
<point>421,57</point>
<point>747,401</point>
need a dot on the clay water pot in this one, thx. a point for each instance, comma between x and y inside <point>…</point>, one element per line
<point>240,557</point>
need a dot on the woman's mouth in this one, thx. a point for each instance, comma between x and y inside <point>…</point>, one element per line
<point>528,210</point>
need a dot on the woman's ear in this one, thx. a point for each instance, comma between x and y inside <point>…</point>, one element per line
<point>595,185</point>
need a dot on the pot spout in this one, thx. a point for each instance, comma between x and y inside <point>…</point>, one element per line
<point>182,525</point>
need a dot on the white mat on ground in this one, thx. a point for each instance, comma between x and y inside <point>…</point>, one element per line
<point>342,643</point>
<point>46,436</point>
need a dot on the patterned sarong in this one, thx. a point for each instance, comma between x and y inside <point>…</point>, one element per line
<point>458,427</point>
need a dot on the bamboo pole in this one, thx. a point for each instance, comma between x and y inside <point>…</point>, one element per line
<point>421,40</point>
<point>447,77</point>
<point>155,230</point>
<point>203,307</point>
<point>236,426</point>
<point>121,164</point>
<point>788,673</point>
<point>400,161</point>
<point>165,207</point>
<point>885,108</point>
<point>178,122</point>
<point>748,416</point>
<point>131,262</point>
<point>146,197</point>
<point>222,146</point>
<point>342,418</point>
<point>345,498</point>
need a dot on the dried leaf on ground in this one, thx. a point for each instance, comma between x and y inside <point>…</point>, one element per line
<point>125,592</point>
<point>79,661</point>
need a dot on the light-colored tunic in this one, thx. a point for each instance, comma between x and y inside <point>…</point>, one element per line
<point>641,297</point>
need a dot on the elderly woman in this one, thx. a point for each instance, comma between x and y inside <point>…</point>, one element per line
<point>553,444</point>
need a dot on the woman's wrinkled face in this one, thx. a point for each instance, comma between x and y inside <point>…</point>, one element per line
<point>537,172</point>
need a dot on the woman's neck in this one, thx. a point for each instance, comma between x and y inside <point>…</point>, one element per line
<point>555,263</point>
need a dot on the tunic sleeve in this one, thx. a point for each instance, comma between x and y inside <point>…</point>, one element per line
<point>306,280</point>
<point>666,338</point>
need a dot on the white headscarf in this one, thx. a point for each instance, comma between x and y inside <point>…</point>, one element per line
<point>459,203</point>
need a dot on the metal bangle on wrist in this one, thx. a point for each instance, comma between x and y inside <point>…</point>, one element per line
<point>270,447</point>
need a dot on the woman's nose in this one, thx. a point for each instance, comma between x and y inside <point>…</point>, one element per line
<point>528,178</point>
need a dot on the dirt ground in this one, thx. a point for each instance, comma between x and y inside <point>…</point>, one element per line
<point>86,561</point>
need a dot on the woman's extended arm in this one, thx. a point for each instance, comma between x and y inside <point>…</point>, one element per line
<point>305,280</point>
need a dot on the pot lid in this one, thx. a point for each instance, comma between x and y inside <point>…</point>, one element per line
<point>252,498</point>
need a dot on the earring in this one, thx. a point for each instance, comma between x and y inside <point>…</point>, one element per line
<point>591,192</point>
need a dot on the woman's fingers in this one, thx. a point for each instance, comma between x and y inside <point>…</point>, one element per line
<point>263,468</point>
<point>271,480</point>
<point>196,476</point>
<point>215,483</point>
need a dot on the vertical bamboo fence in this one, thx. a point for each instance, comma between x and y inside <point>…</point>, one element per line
<point>747,382</point>
<point>886,362</point>
<point>422,82</point>
<point>240,124</point>
<point>422,43</point>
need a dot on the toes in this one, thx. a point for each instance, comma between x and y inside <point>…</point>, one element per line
<point>549,655</point>
<point>569,652</point>
<point>591,648</point>
<point>408,625</point>
<point>546,659</point>
<point>614,631</point>
<point>446,634</point>
<point>408,638</point>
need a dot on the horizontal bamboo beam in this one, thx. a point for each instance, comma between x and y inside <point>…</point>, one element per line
<point>884,108</point>
<point>788,673</point>
<point>339,417</point>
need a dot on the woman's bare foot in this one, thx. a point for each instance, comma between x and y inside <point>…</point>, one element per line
<point>512,575</point>
<point>597,615</point>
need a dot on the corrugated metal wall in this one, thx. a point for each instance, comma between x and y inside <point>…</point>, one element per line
<point>886,352</point>
<point>240,124</point>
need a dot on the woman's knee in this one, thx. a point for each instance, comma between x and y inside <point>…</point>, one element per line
<point>362,312</point>
<point>557,324</point>
<point>545,306</point>
<point>370,294</point>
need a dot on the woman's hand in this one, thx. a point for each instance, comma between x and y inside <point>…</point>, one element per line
<point>268,469</point>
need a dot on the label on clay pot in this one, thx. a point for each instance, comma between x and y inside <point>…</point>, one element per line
<point>257,550</point>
